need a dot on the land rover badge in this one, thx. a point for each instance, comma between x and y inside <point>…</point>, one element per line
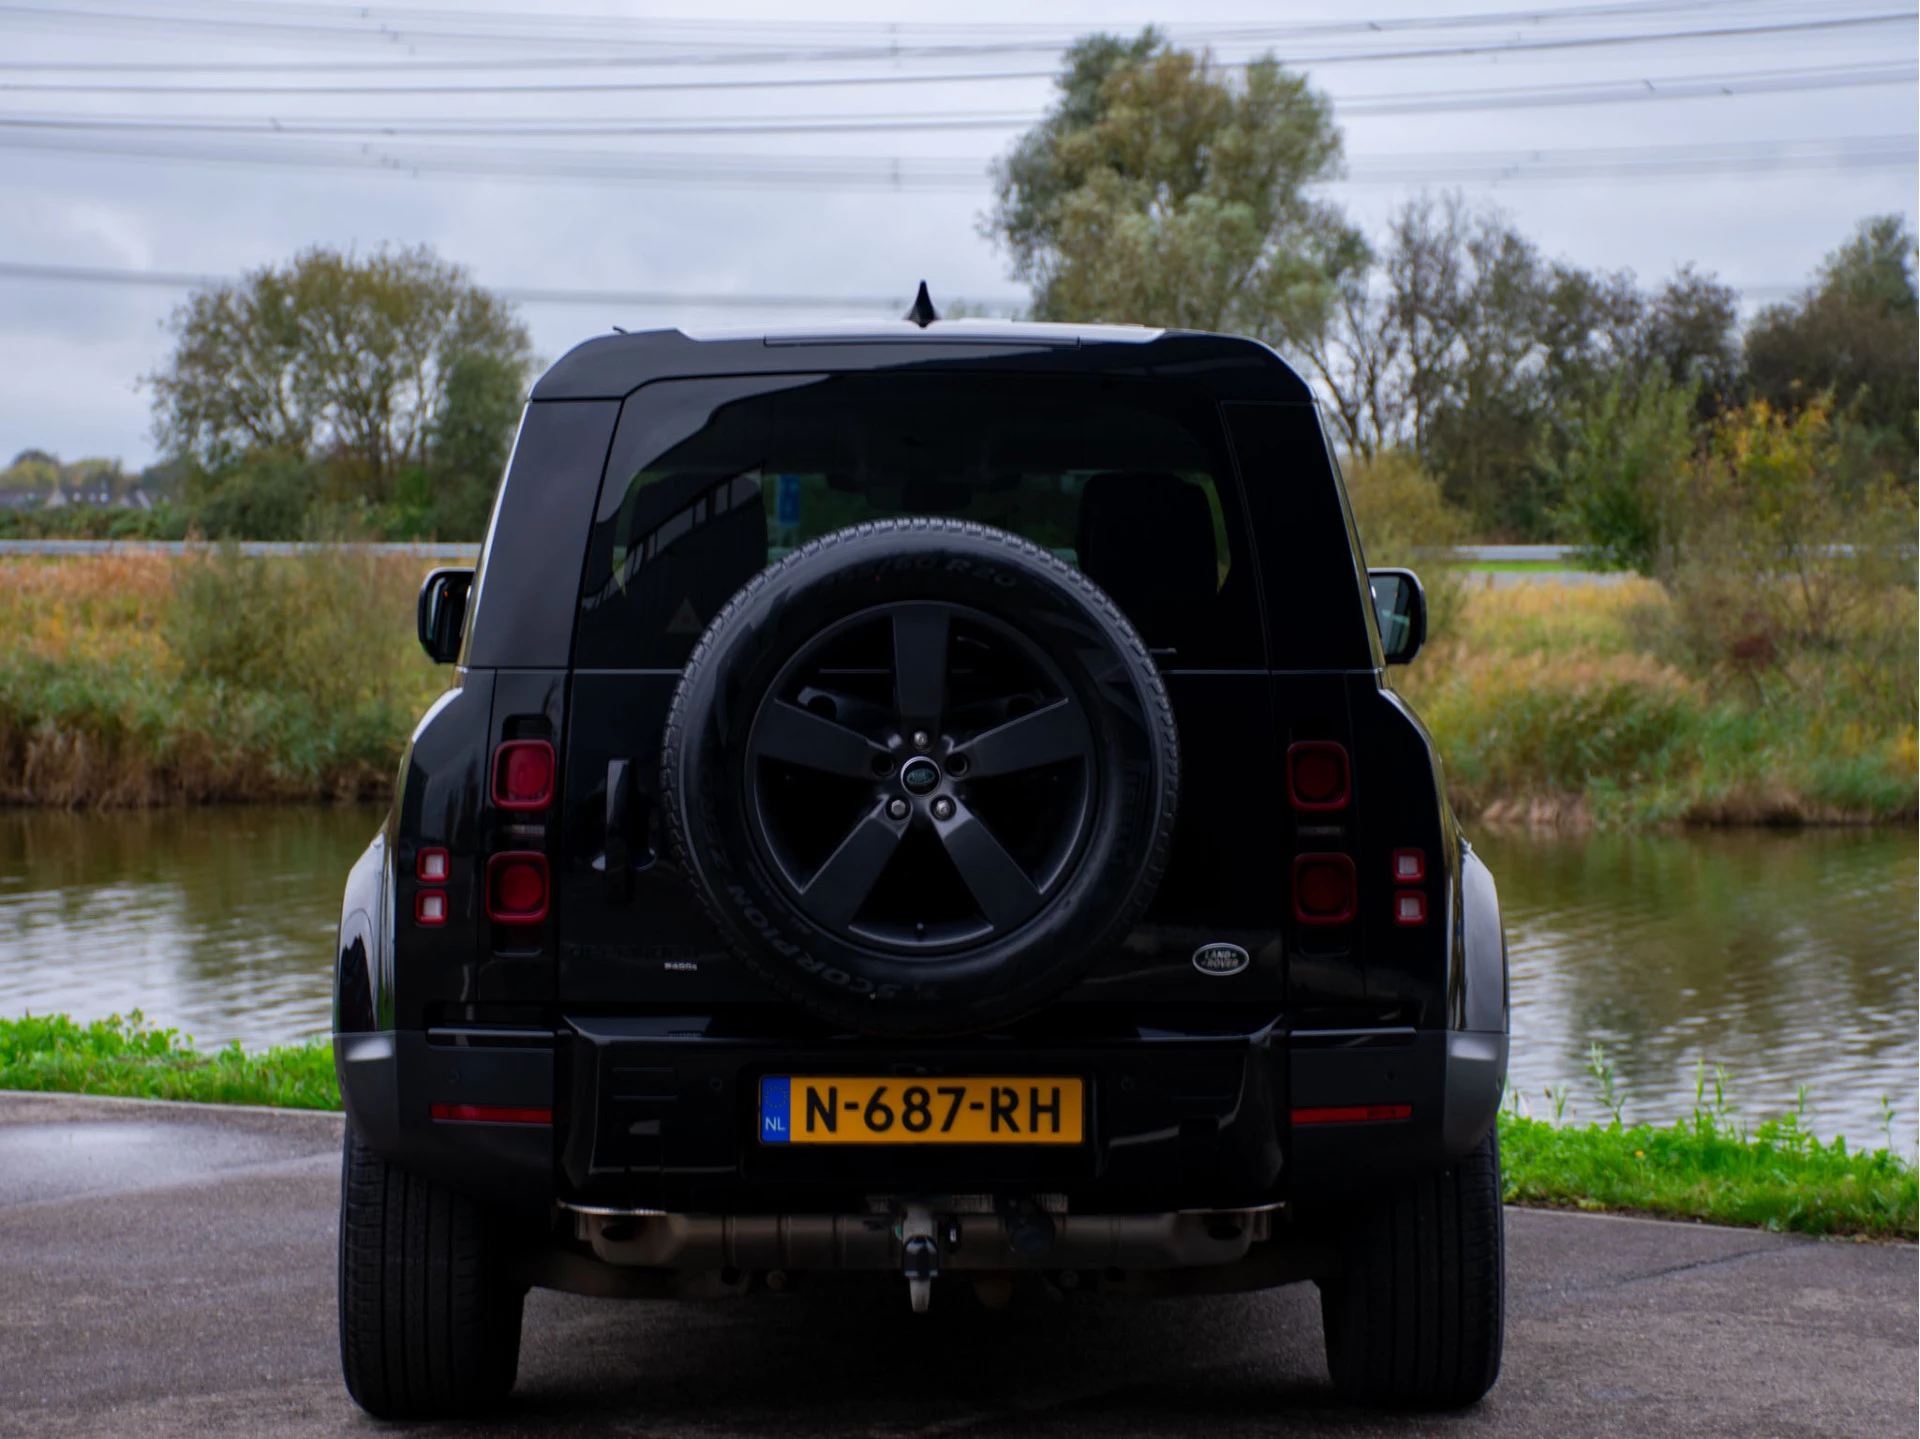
<point>1221,959</point>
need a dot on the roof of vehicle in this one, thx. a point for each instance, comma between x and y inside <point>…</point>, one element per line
<point>613,366</point>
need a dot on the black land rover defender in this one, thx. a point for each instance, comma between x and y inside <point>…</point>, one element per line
<point>921,799</point>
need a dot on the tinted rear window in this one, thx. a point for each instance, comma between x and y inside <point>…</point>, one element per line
<point>710,480</point>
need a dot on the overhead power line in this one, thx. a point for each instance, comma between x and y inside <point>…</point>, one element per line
<point>856,172</point>
<point>1505,47</point>
<point>518,294</point>
<point>523,295</point>
<point>712,42</point>
<point>1723,86</point>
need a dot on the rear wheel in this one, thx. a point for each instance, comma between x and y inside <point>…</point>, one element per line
<point>1414,1319</point>
<point>429,1322</point>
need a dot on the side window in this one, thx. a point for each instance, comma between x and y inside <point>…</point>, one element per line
<point>1310,567</point>
<point>709,480</point>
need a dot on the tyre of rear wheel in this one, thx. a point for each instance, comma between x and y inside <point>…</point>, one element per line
<point>429,1322</point>
<point>1415,1318</point>
<point>1000,919</point>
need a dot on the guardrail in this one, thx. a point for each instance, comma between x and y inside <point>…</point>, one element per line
<point>423,549</point>
<point>1510,554</point>
<point>432,550</point>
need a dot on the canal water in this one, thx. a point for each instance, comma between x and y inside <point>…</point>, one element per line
<point>1787,958</point>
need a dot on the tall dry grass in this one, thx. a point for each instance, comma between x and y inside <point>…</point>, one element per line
<point>131,680</point>
<point>1560,705</point>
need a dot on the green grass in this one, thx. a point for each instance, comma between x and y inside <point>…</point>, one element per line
<point>124,1057</point>
<point>1777,1177</point>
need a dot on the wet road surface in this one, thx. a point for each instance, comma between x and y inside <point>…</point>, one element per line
<point>168,1269</point>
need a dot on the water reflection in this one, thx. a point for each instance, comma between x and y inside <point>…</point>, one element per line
<point>1789,958</point>
<point>218,922</point>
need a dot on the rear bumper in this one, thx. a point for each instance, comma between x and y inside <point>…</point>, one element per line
<point>661,1114</point>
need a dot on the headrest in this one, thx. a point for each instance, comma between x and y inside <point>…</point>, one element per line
<point>1146,538</point>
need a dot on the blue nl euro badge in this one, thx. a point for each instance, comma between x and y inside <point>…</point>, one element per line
<point>776,1103</point>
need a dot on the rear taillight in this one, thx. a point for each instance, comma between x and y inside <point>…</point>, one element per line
<point>433,866</point>
<point>1409,866</point>
<point>1323,888</point>
<point>523,774</point>
<point>1317,775</point>
<point>430,906</point>
<point>517,887</point>
<point>1409,907</point>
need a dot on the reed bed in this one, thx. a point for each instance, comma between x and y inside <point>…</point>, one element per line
<point>134,680</point>
<point>1566,706</point>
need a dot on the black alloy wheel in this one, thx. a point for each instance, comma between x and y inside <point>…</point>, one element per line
<point>955,746</point>
<point>922,774</point>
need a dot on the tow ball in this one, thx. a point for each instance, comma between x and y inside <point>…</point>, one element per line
<point>919,1255</point>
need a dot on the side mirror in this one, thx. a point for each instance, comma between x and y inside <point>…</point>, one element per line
<point>443,613</point>
<point>1400,604</point>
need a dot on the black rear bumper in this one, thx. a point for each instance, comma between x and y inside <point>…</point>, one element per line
<point>659,1113</point>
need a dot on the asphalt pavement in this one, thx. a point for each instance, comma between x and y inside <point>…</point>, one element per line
<point>168,1269</point>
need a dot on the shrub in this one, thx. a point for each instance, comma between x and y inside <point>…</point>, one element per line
<point>1626,450</point>
<point>1404,521</point>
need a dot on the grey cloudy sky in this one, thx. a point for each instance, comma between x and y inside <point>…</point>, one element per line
<point>1787,121</point>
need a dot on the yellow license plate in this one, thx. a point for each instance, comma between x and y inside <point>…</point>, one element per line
<point>806,1109</point>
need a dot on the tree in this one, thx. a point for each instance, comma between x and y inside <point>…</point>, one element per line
<point>1852,334</point>
<point>1690,329</point>
<point>1159,191</point>
<point>1357,356</point>
<point>351,363</point>
<point>1625,458</point>
<point>1467,347</point>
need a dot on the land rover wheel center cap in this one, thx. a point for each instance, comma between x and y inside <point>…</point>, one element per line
<point>920,776</point>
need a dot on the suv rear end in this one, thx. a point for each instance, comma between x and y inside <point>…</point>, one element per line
<point>1236,1016</point>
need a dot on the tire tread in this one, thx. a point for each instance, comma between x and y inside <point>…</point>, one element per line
<point>1415,1320</point>
<point>429,1324</point>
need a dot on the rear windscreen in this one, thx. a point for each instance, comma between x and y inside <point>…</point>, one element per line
<point>711,480</point>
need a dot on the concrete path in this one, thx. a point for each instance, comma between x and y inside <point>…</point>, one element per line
<point>168,1269</point>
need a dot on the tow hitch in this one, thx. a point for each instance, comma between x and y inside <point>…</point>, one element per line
<point>919,1255</point>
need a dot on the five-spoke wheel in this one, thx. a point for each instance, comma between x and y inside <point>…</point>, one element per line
<point>912,747</point>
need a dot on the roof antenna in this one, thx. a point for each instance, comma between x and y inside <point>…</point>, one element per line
<point>923,313</point>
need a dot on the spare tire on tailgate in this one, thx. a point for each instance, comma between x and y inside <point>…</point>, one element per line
<point>922,773</point>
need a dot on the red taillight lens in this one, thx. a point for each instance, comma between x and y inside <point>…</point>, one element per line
<point>1354,1114</point>
<point>523,774</point>
<point>1317,776</point>
<point>1323,889</point>
<point>517,888</point>
<point>1410,907</point>
<point>433,866</point>
<point>489,1114</point>
<point>430,906</point>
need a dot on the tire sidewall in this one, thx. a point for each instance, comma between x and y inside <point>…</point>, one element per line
<point>1111,676</point>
